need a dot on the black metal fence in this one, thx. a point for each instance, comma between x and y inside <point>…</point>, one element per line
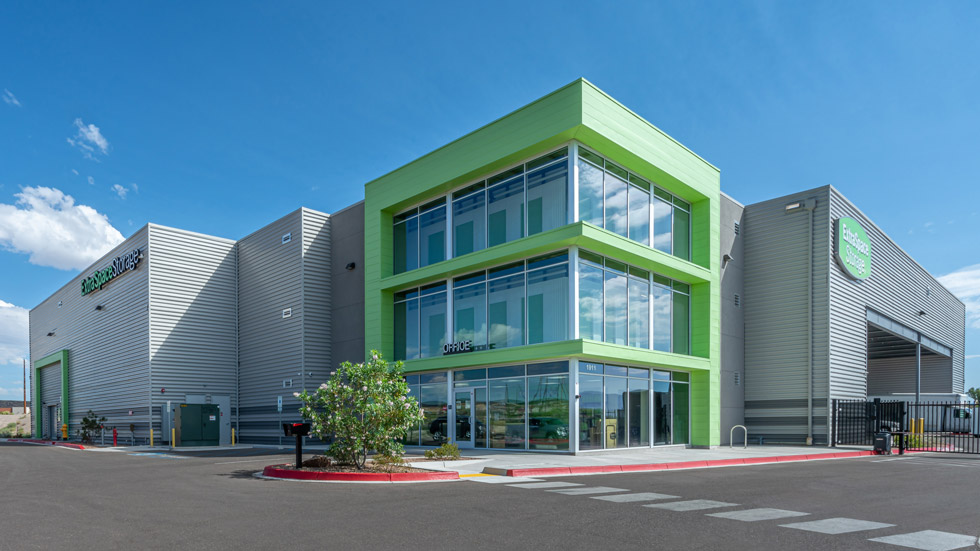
<point>942,427</point>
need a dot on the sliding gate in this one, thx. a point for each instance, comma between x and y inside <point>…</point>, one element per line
<point>940,427</point>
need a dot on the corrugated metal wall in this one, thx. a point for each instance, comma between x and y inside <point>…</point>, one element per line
<point>108,362</point>
<point>732,320</point>
<point>270,347</point>
<point>775,309</point>
<point>50,395</point>
<point>898,288</point>
<point>317,296</point>
<point>347,307</point>
<point>897,375</point>
<point>193,319</point>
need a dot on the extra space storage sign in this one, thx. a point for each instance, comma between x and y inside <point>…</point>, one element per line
<point>120,265</point>
<point>853,248</point>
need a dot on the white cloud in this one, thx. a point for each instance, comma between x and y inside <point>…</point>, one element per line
<point>91,181</point>
<point>48,225</point>
<point>75,172</point>
<point>973,356</point>
<point>9,98</point>
<point>13,334</point>
<point>121,191</point>
<point>965,284</point>
<point>89,140</point>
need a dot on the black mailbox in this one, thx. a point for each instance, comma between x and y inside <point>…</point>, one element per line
<point>296,429</point>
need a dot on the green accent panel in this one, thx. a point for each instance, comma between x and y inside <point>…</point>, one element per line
<point>464,239</point>
<point>61,356</point>
<point>497,228</point>
<point>437,248</point>
<point>534,216</point>
<point>535,318</point>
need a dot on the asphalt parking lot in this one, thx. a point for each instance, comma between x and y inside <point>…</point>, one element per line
<point>57,497</point>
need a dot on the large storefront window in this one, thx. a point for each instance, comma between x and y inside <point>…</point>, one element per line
<point>420,322</point>
<point>618,410</point>
<point>613,198</point>
<point>525,200</point>
<point>615,302</point>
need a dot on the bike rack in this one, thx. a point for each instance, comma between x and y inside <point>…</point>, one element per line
<point>731,433</point>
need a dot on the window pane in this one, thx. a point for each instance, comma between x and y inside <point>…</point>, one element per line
<point>615,424</point>
<point>682,400</point>
<point>480,413</point>
<point>546,198</point>
<point>639,409</point>
<point>506,311</point>
<point>504,372</point>
<point>547,410</point>
<point>661,411</point>
<point>590,302</point>
<point>506,413</point>
<point>639,205</point>
<point>547,368</point>
<point>682,332</point>
<point>433,325</point>
<point>435,423</point>
<point>432,236</point>
<point>616,302</point>
<point>405,245</point>
<point>616,205</point>
<point>469,224</point>
<point>590,412</point>
<point>470,375</point>
<point>412,437</point>
<point>589,193</point>
<point>470,315</point>
<point>682,234</point>
<point>505,205</point>
<point>547,304</point>
<point>639,306</point>
<point>661,318</point>
<point>407,330</point>
<point>662,224</point>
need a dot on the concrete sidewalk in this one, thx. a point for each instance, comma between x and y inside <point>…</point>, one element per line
<point>545,464</point>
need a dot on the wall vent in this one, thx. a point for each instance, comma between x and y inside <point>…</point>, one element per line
<point>738,301</point>
<point>738,378</point>
<point>287,238</point>
<point>288,312</point>
<point>737,228</point>
<point>287,383</point>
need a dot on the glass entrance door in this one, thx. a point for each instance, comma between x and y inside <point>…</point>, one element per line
<point>464,418</point>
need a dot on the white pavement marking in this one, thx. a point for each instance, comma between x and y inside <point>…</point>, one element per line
<point>545,485</point>
<point>630,498</point>
<point>692,505</point>
<point>587,491</point>
<point>267,459</point>
<point>500,479</point>
<point>755,515</point>
<point>930,540</point>
<point>837,525</point>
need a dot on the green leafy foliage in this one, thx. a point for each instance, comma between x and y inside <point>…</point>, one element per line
<point>90,426</point>
<point>974,393</point>
<point>445,451</point>
<point>364,407</point>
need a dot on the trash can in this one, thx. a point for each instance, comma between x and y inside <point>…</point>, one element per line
<point>883,443</point>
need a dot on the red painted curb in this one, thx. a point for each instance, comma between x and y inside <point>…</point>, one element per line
<point>278,471</point>
<point>791,458</point>
<point>648,467</point>
<point>758,460</point>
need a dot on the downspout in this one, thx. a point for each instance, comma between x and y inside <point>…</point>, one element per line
<point>809,205</point>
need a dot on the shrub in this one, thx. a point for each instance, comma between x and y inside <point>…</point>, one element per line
<point>90,426</point>
<point>445,451</point>
<point>363,407</point>
<point>387,463</point>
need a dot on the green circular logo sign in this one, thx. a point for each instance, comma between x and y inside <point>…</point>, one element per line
<point>853,248</point>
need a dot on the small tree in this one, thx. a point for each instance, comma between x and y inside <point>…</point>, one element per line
<point>974,393</point>
<point>90,425</point>
<point>364,407</point>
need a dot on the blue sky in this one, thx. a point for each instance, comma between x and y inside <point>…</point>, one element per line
<point>221,117</point>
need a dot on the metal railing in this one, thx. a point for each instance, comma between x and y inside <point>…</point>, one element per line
<point>943,427</point>
<point>731,436</point>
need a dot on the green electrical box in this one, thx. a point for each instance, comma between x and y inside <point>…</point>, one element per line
<point>197,424</point>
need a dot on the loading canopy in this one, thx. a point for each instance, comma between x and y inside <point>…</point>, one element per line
<point>901,360</point>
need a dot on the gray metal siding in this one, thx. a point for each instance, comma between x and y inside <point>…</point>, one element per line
<point>897,288</point>
<point>193,315</point>
<point>776,268</point>
<point>346,246</point>
<point>897,375</point>
<point>732,320</point>
<point>50,393</point>
<point>270,348</point>
<point>317,295</point>
<point>108,349</point>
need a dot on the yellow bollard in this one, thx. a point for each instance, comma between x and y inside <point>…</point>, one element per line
<point>173,438</point>
<point>233,436</point>
<point>151,437</point>
<point>922,425</point>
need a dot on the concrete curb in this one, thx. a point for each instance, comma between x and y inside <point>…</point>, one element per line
<point>598,469</point>
<point>283,472</point>
<point>44,443</point>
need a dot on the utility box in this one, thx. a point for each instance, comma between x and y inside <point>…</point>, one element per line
<point>197,425</point>
<point>883,443</point>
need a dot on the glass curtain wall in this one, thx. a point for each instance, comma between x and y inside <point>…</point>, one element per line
<point>430,391</point>
<point>613,198</point>
<point>420,322</point>
<point>419,236</point>
<point>615,301</point>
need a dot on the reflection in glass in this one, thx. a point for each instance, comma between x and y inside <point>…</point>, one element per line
<point>661,412</point>
<point>616,207</point>
<point>547,304</point>
<point>480,414</point>
<point>682,402</point>
<point>407,330</point>
<point>682,234</point>
<point>590,302</point>
<point>682,333</point>
<point>639,312</point>
<point>547,403</point>
<point>412,438</point>
<point>639,207</point>
<point>433,327</point>
<point>590,412</point>
<point>661,318</point>
<point>639,412</point>
<point>406,245</point>
<point>589,193</point>
<point>616,308</point>
<point>432,236</point>
<point>662,224</point>
<point>505,211</point>
<point>434,425</point>
<point>470,315</point>
<point>462,409</point>
<point>546,198</point>
<point>505,311</point>
<point>469,223</point>
<point>615,422</point>
<point>506,410</point>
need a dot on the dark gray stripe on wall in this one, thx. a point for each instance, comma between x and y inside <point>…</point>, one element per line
<point>783,421</point>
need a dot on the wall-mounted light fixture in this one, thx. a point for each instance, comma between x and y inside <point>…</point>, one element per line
<point>922,312</point>
<point>350,266</point>
<point>726,259</point>
<point>794,206</point>
<point>51,334</point>
<point>99,307</point>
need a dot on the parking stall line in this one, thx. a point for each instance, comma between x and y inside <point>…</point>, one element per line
<point>587,491</point>
<point>930,540</point>
<point>543,485</point>
<point>692,505</point>
<point>834,526</point>
<point>633,498</point>
<point>755,515</point>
